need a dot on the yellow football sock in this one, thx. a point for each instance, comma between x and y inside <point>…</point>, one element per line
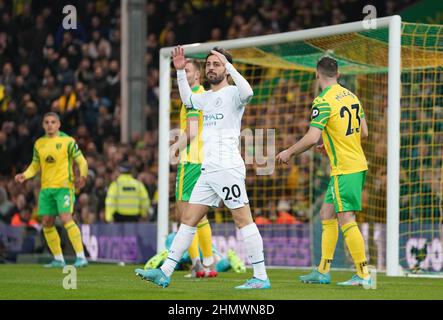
<point>329,239</point>
<point>356,245</point>
<point>204,233</point>
<point>193,249</point>
<point>75,236</point>
<point>53,240</point>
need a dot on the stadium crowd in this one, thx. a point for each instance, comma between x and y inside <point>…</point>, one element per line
<point>77,74</point>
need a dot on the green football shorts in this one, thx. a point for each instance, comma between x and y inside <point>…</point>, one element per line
<point>187,176</point>
<point>53,201</point>
<point>344,191</point>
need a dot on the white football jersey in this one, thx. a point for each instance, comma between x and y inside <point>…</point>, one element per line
<point>222,115</point>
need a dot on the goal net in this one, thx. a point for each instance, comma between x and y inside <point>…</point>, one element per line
<point>401,218</point>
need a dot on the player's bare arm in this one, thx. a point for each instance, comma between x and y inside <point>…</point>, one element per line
<point>191,132</point>
<point>364,129</point>
<point>80,182</point>
<point>310,139</point>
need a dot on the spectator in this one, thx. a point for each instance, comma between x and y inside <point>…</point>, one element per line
<point>19,89</point>
<point>7,148</point>
<point>6,52</point>
<point>4,100</point>
<point>65,75</point>
<point>32,120</point>
<point>99,47</point>
<point>260,218</point>
<point>39,36</point>
<point>127,199</point>
<point>24,219</point>
<point>44,100</point>
<point>84,73</point>
<point>283,213</point>
<point>91,110</point>
<point>24,146</point>
<point>49,46</point>
<point>5,205</point>
<point>113,81</point>
<point>68,101</point>
<point>54,91</point>
<point>115,39</point>
<point>99,82</point>
<point>7,78</point>
<point>149,179</point>
<point>29,81</point>
<point>70,49</point>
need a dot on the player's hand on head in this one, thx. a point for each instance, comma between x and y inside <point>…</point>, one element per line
<point>178,58</point>
<point>220,56</point>
<point>283,157</point>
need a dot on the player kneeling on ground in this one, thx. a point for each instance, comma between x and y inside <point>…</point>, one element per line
<point>221,263</point>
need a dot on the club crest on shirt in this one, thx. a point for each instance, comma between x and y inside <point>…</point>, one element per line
<point>50,159</point>
<point>218,102</point>
<point>315,112</point>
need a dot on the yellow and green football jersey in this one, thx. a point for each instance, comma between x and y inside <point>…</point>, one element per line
<point>54,157</point>
<point>194,151</point>
<point>338,113</point>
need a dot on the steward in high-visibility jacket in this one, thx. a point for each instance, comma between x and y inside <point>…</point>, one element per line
<point>127,199</point>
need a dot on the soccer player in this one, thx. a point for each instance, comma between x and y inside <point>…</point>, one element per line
<point>337,116</point>
<point>223,169</point>
<point>190,145</point>
<point>54,154</point>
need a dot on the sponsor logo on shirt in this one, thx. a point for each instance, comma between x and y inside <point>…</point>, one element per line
<point>213,117</point>
<point>218,102</point>
<point>315,112</point>
<point>50,159</point>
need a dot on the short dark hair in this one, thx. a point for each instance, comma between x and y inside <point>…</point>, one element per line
<point>223,52</point>
<point>195,63</point>
<point>125,167</point>
<point>51,114</point>
<point>327,66</point>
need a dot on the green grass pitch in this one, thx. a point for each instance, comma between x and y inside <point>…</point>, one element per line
<point>100,282</point>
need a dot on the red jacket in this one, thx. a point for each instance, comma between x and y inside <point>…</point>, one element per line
<point>16,221</point>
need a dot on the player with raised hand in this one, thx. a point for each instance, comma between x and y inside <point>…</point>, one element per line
<point>337,116</point>
<point>54,155</point>
<point>190,146</point>
<point>223,169</point>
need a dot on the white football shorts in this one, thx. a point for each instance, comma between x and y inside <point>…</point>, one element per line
<point>227,185</point>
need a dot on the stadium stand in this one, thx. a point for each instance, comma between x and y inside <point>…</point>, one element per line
<point>43,68</point>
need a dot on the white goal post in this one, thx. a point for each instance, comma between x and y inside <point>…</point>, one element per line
<point>393,23</point>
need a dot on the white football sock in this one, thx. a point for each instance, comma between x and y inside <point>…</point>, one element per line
<point>208,261</point>
<point>59,257</point>
<point>254,250</point>
<point>180,244</point>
